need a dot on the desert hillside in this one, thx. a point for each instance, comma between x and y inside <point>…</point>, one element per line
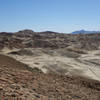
<point>49,66</point>
<point>19,82</point>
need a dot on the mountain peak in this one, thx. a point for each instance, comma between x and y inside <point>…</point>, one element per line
<point>84,32</point>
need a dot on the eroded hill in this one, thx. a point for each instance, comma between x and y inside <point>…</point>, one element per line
<point>28,38</point>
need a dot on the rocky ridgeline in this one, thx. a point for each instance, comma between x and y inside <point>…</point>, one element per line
<point>48,39</point>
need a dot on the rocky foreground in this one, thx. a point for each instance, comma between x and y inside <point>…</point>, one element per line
<point>19,82</point>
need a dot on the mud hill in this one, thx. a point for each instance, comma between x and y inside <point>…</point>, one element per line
<point>47,39</point>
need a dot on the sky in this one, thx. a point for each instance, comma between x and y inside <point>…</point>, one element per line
<point>49,15</point>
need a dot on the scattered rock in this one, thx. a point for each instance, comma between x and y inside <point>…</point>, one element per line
<point>1,88</point>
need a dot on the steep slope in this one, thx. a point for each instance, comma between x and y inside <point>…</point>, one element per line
<point>19,83</point>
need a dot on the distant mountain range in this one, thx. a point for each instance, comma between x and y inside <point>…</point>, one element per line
<point>84,32</point>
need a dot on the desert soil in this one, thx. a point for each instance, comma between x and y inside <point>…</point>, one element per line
<point>19,82</point>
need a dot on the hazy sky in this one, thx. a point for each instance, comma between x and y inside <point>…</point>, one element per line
<point>53,15</point>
